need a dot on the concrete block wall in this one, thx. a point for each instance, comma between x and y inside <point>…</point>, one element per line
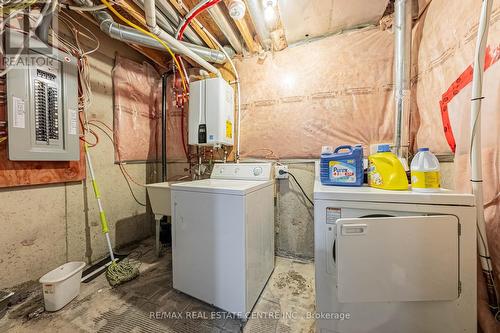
<point>44,226</point>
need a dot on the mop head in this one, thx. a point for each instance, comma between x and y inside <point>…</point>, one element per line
<point>121,272</point>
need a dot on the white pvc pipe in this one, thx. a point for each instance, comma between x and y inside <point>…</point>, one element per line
<point>225,26</point>
<point>238,87</point>
<point>476,155</point>
<point>150,11</point>
<point>257,15</point>
<point>189,14</point>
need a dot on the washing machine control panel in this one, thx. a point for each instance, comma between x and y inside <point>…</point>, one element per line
<point>242,171</point>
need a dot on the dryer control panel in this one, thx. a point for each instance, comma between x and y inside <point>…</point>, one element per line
<point>242,171</point>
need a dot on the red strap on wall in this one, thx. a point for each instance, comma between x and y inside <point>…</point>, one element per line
<point>463,81</point>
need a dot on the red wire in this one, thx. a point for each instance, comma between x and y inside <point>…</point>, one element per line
<point>189,19</point>
<point>182,133</point>
<point>181,33</point>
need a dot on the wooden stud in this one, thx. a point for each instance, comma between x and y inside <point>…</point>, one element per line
<point>245,31</point>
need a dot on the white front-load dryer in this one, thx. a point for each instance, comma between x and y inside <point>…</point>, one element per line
<point>394,261</point>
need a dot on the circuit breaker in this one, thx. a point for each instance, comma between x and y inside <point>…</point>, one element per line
<point>211,113</point>
<point>42,106</point>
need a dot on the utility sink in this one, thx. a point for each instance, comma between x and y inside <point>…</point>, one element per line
<point>159,196</point>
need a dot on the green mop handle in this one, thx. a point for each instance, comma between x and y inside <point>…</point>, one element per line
<point>102,214</point>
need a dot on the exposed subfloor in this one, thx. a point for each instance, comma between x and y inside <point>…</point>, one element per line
<point>146,303</point>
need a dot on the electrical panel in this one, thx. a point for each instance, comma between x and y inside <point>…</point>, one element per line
<point>211,113</point>
<point>42,104</point>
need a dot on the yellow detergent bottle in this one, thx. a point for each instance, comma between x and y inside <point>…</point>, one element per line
<point>385,170</point>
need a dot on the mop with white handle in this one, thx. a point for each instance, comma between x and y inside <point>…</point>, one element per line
<point>117,272</point>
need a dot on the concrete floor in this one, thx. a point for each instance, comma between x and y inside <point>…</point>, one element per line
<point>283,306</point>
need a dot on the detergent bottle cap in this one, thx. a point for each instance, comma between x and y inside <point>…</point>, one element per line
<point>383,148</point>
<point>423,149</point>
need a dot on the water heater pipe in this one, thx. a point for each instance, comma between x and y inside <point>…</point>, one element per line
<point>476,157</point>
<point>150,11</point>
<point>402,69</point>
<point>238,87</point>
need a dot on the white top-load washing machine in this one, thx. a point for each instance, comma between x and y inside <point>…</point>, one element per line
<point>223,236</point>
<point>394,261</point>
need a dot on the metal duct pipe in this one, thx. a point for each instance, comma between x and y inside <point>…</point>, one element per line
<point>130,35</point>
<point>168,20</point>
<point>257,14</point>
<point>402,89</point>
<point>227,29</point>
<point>42,30</point>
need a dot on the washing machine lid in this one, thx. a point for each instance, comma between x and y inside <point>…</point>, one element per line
<point>369,194</point>
<point>222,186</point>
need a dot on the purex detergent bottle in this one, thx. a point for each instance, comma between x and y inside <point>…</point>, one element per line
<point>342,167</point>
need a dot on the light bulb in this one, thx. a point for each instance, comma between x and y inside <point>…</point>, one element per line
<point>268,3</point>
<point>269,14</point>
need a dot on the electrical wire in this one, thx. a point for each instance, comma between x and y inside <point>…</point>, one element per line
<point>124,172</point>
<point>115,145</point>
<point>165,45</point>
<point>85,8</point>
<point>85,92</point>
<point>193,15</point>
<point>188,14</point>
<point>18,7</point>
<point>300,186</point>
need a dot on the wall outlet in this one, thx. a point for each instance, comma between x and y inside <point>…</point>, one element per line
<point>277,169</point>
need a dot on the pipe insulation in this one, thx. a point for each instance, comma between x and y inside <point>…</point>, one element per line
<point>402,71</point>
<point>130,35</point>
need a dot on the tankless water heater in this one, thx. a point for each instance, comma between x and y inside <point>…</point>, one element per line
<point>211,113</point>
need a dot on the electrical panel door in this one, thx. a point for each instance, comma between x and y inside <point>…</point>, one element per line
<point>42,107</point>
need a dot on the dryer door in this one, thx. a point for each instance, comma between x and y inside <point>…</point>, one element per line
<point>397,259</point>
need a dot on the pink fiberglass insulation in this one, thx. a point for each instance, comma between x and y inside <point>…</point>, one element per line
<point>334,91</point>
<point>137,111</point>
<point>447,35</point>
<point>137,114</point>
